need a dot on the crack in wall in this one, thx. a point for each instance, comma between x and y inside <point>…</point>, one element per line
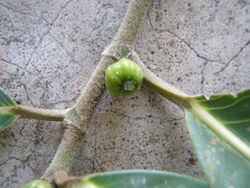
<point>234,57</point>
<point>154,31</point>
<point>36,47</point>
<point>191,48</point>
<point>183,41</point>
<point>61,45</point>
<point>39,78</point>
<point>203,77</point>
<point>47,32</point>
<point>17,66</point>
<point>10,40</point>
<point>16,167</point>
<point>7,72</point>
<point>26,93</point>
<point>10,7</point>
<point>60,10</point>
<point>226,64</point>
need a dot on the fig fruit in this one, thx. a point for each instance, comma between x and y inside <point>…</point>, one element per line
<point>123,78</point>
<point>37,184</point>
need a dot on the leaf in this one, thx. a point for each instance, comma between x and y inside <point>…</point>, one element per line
<point>5,100</point>
<point>220,130</point>
<point>141,179</point>
<point>6,117</point>
<point>6,120</point>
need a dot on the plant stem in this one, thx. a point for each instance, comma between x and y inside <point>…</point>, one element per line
<point>64,157</point>
<point>130,25</point>
<point>39,113</point>
<point>79,116</point>
<point>173,94</point>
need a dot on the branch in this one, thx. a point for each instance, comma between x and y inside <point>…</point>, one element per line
<point>39,113</point>
<point>130,26</point>
<point>64,157</point>
<point>171,93</point>
<point>79,116</point>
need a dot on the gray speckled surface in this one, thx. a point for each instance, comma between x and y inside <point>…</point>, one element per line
<point>49,48</point>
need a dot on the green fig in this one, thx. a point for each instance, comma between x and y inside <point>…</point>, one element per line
<point>123,78</point>
<point>37,184</point>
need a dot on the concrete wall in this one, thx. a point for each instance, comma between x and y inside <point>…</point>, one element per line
<point>49,48</point>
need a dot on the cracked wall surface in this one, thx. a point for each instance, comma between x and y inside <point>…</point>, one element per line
<point>49,48</point>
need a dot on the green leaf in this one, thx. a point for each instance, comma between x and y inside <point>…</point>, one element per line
<point>220,130</point>
<point>141,179</point>
<point>6,120</point>
<point>6,104</point>
<point>233,112</point>
<point>5,100</point>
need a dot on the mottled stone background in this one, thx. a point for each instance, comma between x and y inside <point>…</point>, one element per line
<point>49,48</point>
